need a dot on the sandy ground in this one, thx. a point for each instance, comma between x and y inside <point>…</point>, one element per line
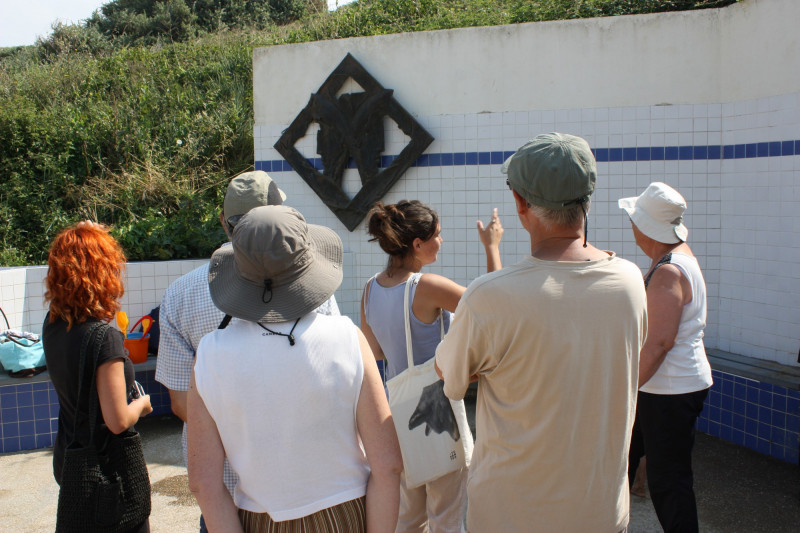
<point>738,490</point>
<point>29,494</point>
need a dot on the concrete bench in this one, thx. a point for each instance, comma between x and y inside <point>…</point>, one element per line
<point>754,403</point>
<point>757,369</point>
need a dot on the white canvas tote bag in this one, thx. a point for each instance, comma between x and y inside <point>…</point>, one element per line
<point>435,438</point>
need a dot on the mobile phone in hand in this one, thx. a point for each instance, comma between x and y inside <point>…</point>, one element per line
<point>137,391</point>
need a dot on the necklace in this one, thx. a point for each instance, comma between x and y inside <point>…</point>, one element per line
<point>290,334</point>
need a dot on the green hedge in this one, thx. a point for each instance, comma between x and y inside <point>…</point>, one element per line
<point>134,139</point>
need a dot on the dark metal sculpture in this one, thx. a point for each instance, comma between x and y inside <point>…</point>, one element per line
<point>351,126</point>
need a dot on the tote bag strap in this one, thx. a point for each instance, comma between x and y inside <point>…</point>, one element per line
<point>92,339</point>
<point>8,326</point>
<point>407,315</point>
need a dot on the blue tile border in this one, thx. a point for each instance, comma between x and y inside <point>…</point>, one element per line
<point>757,415</point>
<point>603,155</point>
<point>29,411</point>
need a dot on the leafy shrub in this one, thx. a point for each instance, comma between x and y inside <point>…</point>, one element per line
<point>67,39</point>
<point>147,22</point>
<point>144,22</point>
<point>139,134</point>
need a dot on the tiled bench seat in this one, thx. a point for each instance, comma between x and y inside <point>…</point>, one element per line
<point>754,403</point>
<point>29,407</point>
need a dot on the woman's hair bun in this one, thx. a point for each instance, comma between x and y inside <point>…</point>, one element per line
<point>395,226</point>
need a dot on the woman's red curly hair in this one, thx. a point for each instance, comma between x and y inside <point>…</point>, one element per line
<point>85,274</point>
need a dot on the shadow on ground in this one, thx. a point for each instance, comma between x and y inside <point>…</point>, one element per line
<point>738,490</point>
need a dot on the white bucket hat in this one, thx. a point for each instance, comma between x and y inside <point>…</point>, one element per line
<point>658,213</point>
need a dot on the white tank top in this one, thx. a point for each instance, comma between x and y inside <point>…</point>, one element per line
<point>685,367</point>
<point>287,414</point>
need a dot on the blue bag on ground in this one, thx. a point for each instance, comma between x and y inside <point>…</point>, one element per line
<point>21,353</point>
<point>18,353</point>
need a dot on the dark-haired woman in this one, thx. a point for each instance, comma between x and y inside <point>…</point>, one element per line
<point>409,232</point>
<point>84,286</point>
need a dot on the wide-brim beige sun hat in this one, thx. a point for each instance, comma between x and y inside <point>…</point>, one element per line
<point>658,213</point>
<point>278,267</point>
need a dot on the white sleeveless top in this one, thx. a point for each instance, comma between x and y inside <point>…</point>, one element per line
<point>685,368</point>
<point>287,414</point>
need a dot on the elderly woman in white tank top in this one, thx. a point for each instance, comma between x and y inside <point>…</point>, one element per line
<point>674,374</point>
<point>409,232</point>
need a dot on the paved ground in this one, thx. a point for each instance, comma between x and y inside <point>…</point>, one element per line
<point>29,494</point>
<point>738,490</point>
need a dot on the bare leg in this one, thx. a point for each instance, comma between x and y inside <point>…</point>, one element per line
<point>640,482</point>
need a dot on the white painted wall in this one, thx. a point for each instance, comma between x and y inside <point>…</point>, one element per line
<point>692,79</point>
<point>685,57</point>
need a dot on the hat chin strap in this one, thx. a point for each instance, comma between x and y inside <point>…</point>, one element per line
<point>267,287</point>
<point>585,224</point>
<point>290,335</point>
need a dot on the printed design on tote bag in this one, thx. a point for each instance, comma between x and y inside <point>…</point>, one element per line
<point>434,410</point>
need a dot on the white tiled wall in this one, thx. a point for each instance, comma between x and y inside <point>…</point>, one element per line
<point>699,79</point>
<point>22,291</point>
<point>742,213</point>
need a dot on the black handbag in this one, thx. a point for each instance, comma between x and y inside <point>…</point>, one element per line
<point>102,490</point>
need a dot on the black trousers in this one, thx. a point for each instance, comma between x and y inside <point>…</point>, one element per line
<point>664,432</point>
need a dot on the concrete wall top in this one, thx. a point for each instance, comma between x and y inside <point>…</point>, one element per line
<point>679,57</point>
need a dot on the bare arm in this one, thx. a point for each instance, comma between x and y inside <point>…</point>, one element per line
<point>118,414</point>
<point>435,292</point>
<point>490,238</point>
<point>373,342</point>
<point>177,400</point>
<point>376,428</point>
<point>666,296</point>
<point>206,459</point>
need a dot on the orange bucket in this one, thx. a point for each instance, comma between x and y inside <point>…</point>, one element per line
<point>137,347</point>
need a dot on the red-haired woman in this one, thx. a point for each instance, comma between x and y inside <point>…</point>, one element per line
<point>84,286</point>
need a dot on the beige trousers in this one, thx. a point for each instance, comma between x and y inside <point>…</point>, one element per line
<point>436,507</point>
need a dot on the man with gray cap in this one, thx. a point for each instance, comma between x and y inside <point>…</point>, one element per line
<point>187,312</point>
<point>554,343</point>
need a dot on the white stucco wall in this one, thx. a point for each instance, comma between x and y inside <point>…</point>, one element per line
<point>685,57</point>
<point>693,84</point>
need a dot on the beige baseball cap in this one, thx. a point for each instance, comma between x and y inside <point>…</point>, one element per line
<point>250,190</point>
